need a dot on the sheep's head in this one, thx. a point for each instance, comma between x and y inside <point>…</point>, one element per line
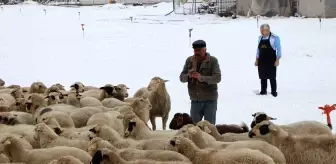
<point>182,131</point>
<point>93,145</point>
<point>141,103</point>
<point>130,127</point>
<point>38,87</point>
<point>124,89</point>
<point>87,136</point>
<point>2,82</point>
<point>102,156</point>
<point>53,88</point>
<point>8,118</point>
<point>20,105</point>
<point>262,129</point>
<point>53,98</point>
<point>96,129</point>
<point>179,120</point>
<point>109,90</point>
<point>5,142</point>
<point>39,128</point>
<point>78,86</point>
<point>259,117</point>
<point>48,119</point>
<point>35,101</point>
<point>155,83</point>
<point>205,126</point>
<point>17,93</point>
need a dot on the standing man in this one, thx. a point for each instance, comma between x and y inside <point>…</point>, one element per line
<point>267,60</point>
<point>202,72</point>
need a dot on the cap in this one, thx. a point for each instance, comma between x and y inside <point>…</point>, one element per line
<point>199,44</point>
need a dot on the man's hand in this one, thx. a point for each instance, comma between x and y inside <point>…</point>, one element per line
<point>276,63</point>
<point>196,75</point>
<point>256,62</point>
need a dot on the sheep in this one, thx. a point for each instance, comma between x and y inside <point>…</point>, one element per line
<point>6,101</point>
<point>37,87</point>
<point>20,105</point>
<point>26,131</point>
<point>119,142</point>
<point>53,88</point>
<point>24,142</point>
<point>195,134</point>
<point>185,128</point>
<point>298,128</point>
<point>108,118</point>
<point>138,130</point>
<point>106,91</point>
<point>48,138</point>
<point>160,100</point>
<point>213,156</point>
<point>112,102</point>
<point>81,116</point>
<point>142,92</point>
<point>124,89</point>
<point>65,108</point>
<point>53,98</point>
<point>12,145</point>
<point>2,82</point>
<point>66,160</point>
<point>73,98</point>
<point>86,88</point>
<point>179,120</point>
<point>298,149</point>
<point>89,101</point>
<point>78,87</point>
<point>13,117</point>
<point>130,154</point>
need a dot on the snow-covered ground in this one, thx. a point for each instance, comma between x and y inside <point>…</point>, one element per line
<point>51,48</point>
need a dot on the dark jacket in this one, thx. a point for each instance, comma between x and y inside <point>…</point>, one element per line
<point>210,72</point>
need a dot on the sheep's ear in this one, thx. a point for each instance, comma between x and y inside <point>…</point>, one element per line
<point>207,129</point>
<point>102,88</point>
<point>253,115</point>
<point>165,80</point>
<point>57,130</point>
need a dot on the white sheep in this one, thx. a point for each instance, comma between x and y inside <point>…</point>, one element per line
<point>160,101</point>
<point>12,146</point>
<point>20,105</point>
<point>26,131</point>
<point>66,160</point>
<point>81,116</point>
<point>142,92</point>
<point>297,148</point>
<point>214,156</point>
<point>211,129</point>
<point>37,87</point>
<point>89,102</point>
<point>78,87</point>
<point>62,118</point>
<point>48,138</point>
<point>138,130</point>
<point>130,154</point>
<point>299,128</point>
<point>108,118</point>
<point>106,91</point>
<point>124,90</point>
<point>195,134</point>
<point>7,99</point>
<point>53,98</point>
<point>182,131</point>
<point>113,102</point>
<point>15,117</point>
<point>73,98</point>
<point>107,156</point>
<point>117,141</point>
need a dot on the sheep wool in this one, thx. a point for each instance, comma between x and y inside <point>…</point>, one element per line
<point>66,160</point>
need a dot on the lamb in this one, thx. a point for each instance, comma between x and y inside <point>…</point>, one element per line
<point>26,131</point>
<point>48,138</point>
<point>106,91</point>
<point>78,87</point>
<point>107,156</point>
<point>37,87</point>
<point>160,100</point>
<point>66,160</point>
<point>209,128</point>
<point>213,156</point>
<point>89,101</point>
<point>138,130</point>
<point>130,154</point>
<point>297,128</point>
<point>13,117</point>
<point>298,149</point>
<point>108,118</point>
<point>11,145</point>
<point>81,115</point>
<point>2,82</point>
<point>195,134</point>
<point>119,142</point>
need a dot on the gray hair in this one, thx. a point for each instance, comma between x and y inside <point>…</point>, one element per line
<point>265,26</point>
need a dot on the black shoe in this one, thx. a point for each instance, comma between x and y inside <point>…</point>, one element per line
<point>263,93</point>
<point>274,94</point>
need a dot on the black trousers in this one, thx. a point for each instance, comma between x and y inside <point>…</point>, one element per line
<point>264,85</point>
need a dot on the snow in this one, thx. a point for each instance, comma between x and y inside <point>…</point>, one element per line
<point>51,48</point>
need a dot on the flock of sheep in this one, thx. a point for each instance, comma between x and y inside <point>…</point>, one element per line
<point>103,125</point>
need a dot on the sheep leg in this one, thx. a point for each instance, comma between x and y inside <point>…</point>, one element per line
<point>152,120</point>
<point>164,121</point>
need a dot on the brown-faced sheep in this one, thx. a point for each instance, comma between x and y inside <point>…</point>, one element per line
<point>37,87</point>
<point>298,149</point>
<point>66,160</point>
<point>297,128</point>
<point>160,100</point>
<point>130,154</point>
<point>2,83</point>
<point>12,146</point>
<point>106,91</point>
<point>78,87</point>
<point>214,156</point>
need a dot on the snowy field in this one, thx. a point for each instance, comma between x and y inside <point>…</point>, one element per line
<point>51,48</point>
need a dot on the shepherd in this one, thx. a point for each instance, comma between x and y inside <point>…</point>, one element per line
<point>267,59</point>
<point>202,72</point>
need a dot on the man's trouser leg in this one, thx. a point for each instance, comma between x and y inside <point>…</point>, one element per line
<point>210,110</point>
<point>273,85</point>
<point>263,83</point>
<point>196,111</point>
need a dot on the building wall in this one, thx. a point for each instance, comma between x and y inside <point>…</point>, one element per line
<point>312,8</point>
<point>330,8</point>
<point>243,6</point>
